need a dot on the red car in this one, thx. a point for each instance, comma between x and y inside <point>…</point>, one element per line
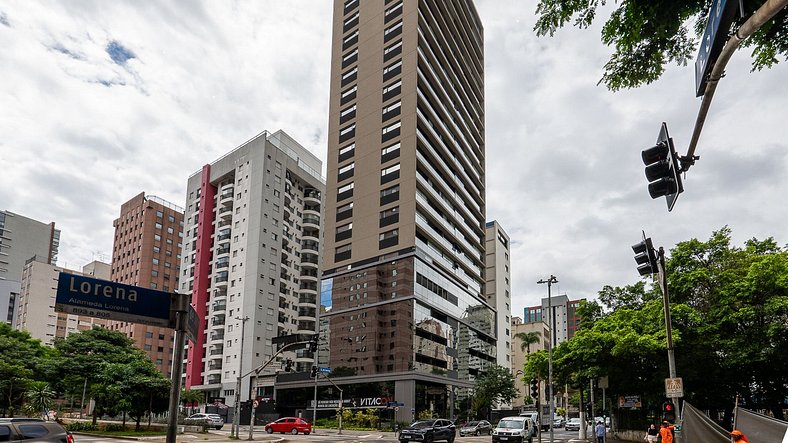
<point>293,425</point>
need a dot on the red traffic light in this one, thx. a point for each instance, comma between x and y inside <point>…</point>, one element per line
<point>668,407</point>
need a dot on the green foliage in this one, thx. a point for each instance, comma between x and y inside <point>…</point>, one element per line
<point>496,385</point>
<point>527,339</point>
<point>82,426</point>
<point>114,427</point>
<point>22,361</point>
<point>39,396</point>
<point>729,309</point>
<point>425,414</point>
<point>647,35</point>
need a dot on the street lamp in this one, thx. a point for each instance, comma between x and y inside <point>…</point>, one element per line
<point>550,282</point>
<point>237,407</point>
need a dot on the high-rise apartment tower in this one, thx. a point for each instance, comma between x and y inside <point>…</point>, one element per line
<point>251,260</point>
<point>403,286</point>
<point>147,253</point>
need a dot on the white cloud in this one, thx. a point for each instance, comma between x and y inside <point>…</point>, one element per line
<point>563,154</point>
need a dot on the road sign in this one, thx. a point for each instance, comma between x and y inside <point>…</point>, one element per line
<point>674,387</point>
<point>92,297</point>
<point>324,370</point>
<point>719,23</point>
<point>192,324</point>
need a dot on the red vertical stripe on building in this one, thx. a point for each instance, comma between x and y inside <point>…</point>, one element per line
<point>202,277</point>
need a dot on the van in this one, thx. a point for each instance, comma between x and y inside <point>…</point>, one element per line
<point>514,429</point>
<point>533,415</point>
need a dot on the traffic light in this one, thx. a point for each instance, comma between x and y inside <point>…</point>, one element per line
<point>663,170</point>
<point>669,411</point>
<point>535,387</point>
<point>313,346</point>
<point>288,365</point>
<point>314,371</point>
<point>646,257</point>
<point>588,409</point>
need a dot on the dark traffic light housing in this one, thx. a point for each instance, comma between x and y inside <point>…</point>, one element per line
<point>535,387</point>
<point>288,365</point>
<point>646,257</point>
<point>314,371</point>
<point>663,169</point>
<point>669,411</point>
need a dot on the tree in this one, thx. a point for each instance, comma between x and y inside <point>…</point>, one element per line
<point>80,358</point>
<point>494,386</point>
<point>648,34</point>
<point>527,339</point>
<point>133,388</point>
<point>22,359</point>
<point>190,397</point>
<point>39,396</point>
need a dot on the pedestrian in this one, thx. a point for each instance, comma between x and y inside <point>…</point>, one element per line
<point>738,436</point>
<point>600,431</point>
<point>666,432</point>
<point>651,434</point>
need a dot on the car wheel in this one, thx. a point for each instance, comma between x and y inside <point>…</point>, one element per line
<point>451,439</point>
<point>306,433</point>
<point>427,439</point>
<point>269,430</point>
<point>294,431</point>
<point>476,433</point>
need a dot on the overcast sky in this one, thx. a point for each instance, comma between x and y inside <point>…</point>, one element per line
<point>102,100</point>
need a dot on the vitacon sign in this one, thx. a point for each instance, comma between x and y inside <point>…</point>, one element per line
<point>92,297</point>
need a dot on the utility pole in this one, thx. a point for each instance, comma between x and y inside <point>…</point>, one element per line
<point>234,432</point>
<point>550,282</point>
<point>181,316</point>
<point>663,284</point>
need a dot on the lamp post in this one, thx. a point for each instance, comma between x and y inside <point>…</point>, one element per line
<point>550,282</point>
<point>234,432</point>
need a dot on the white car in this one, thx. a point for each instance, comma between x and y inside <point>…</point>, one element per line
<point>211,420</point>
<point>573,424</point>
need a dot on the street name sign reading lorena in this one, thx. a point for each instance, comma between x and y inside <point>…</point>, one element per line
<point>80,295</point>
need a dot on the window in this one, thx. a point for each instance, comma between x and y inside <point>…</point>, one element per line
<point>350,22</point>
<point>345,211</point>
<point>155,261</point>
<point>350,40</point>
<point>392,87</point>
<point>393,11</point>
<point>389,195</point>
<point>392,31</point>
<point>344,232</point>
<point>392,110</point>
<point>389,170</point>
<point>350,58</point>
<point>391,149</point>
<point>391,70</point>
<point>348,95</point>
<point>159,214</point>
<point>392,50</point>
<point>389,234</point>
<point>389,212</point>
<point>345,188</point>
<point>347,133</point>
<point>349,76</point>
<point>347,114</point>
<point>158,225</point>
<point>346,171</point>
<point>347,152</point>
<point>390,131</point>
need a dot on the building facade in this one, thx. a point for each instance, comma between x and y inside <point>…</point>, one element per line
<point>520,353</point>
<point>565,320</point>
<point>37,301</point>
<point>402,294</point>
<point>21,239</point>
<point>498,288</point>
<point>147,253</point>
<point>251,260</point>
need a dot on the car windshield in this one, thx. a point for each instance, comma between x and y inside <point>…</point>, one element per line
<point>471,424</point>
<point>574,420</point>
<point>511,424</point>
<point>422,424</point>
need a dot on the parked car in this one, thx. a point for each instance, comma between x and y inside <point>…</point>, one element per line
<point>514,429</point>
<point>210,420</point>
<point>429,430</point>
<point>33,430</point>
<point>558,423</point>
<point>573,424</point>
<point>476,428</point>
<point>293,425</point>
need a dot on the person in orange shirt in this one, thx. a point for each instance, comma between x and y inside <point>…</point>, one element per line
<point>738,436</point>
<point>666,431</point>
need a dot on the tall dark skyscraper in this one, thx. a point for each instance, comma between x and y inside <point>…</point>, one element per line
<point>403,307</point>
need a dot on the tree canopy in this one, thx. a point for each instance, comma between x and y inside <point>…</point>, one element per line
<point>729,308</point>
<point>494,386</point>
<point>648,34</point>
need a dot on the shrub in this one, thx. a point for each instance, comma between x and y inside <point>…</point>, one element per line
<point>82,426</point>
<point>114,427</point>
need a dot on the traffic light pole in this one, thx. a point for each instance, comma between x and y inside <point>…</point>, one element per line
<point>550,282</point>
<point>663,284</point>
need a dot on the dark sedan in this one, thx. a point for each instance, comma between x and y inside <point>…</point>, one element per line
<point>436,429</point>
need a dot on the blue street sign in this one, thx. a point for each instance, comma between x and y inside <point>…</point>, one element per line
<point>325,370</point>
<point>719,23</point>
<point>80,295</point>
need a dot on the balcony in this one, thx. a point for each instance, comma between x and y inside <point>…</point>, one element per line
<point>306,312</point>
<point>308,257</point>
<point>215,366</point>
<point>222,263</point>
<point>311,219</point>
<point>216,350</point>
<point>221,277</point>
<point>310,244</point>
<point>308,286</point>
<point>217,336</point>
<point>217,321</point>
<point>214,379</point>
<point>307,299</point>
<point>223,250</point>
<point>219,306</point>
